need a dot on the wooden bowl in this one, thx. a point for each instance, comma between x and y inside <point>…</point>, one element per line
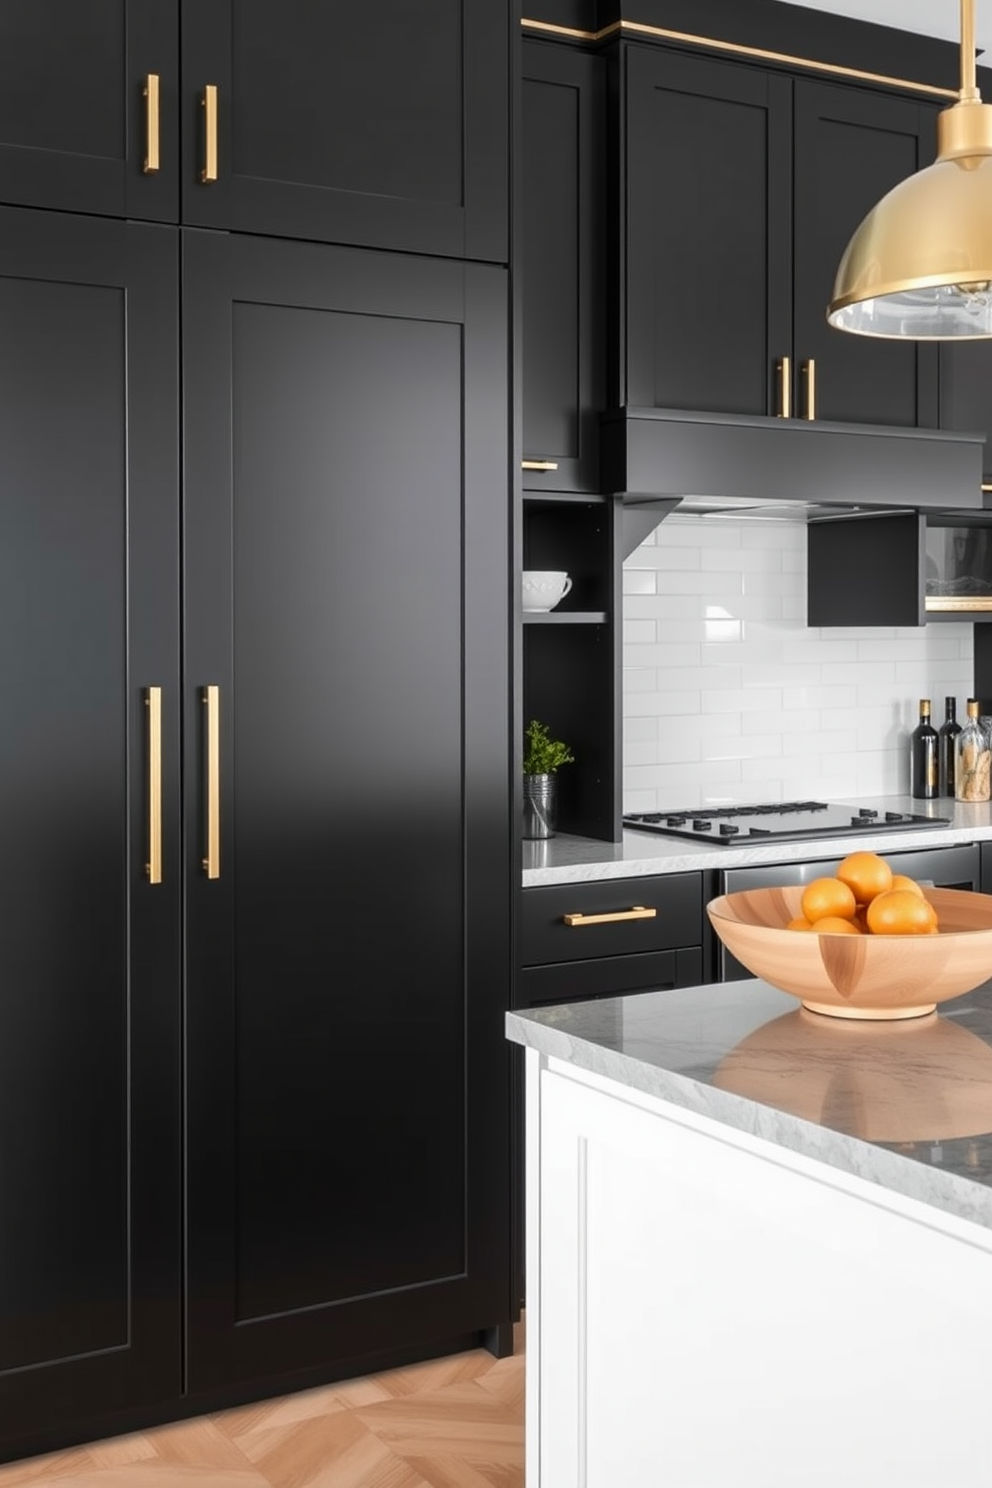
<point>859,976</point>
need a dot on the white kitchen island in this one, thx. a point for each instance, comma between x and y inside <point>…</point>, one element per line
<point>759,1244</point>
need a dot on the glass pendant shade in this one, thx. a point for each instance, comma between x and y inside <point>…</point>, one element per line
<point>920,265</point>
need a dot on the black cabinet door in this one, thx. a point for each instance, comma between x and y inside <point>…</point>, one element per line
<point>851,147</point>
<point>563,366</point>
<point>73,108</point>
<point>706,309</point>
<point>90,1187</point>
<point>384,125</point>
<point>966,391</point>
<point>346,549</point>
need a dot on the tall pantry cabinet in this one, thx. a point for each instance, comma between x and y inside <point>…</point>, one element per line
<point>255,850</point>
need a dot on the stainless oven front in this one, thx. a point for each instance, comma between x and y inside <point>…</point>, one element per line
<point>943,867</point>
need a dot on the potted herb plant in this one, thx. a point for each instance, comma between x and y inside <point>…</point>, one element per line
<point>542,757</point>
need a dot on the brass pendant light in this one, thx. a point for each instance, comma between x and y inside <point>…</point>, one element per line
<point>920,265</point>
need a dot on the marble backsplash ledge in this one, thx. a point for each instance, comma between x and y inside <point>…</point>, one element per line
<point>729,696</point>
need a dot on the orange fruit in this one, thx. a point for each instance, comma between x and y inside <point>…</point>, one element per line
<point>834,925</point>
<point>799,923</point>
<point>899,912</point>
<point>866,874</point>
<point>828,896</point>
<point>902,881</point>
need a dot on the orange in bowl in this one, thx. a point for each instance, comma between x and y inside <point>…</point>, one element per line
<point>888,975</point>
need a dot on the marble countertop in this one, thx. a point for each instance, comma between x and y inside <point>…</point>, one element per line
<point>907,1104</point>
<point>566,859</point>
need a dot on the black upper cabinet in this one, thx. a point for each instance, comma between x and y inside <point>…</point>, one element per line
<point>708,233</point>
<point>74,115</point>
<point>563,369</point>
<point>743,188</point>
<point>384,125</point>
<point>347,543</point>
<point>851,148</point>
<point>90,1184</point>
<point>966,391</point>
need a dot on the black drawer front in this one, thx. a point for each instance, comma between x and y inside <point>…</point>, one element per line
<point>610,976</point>
<point>546,938</point>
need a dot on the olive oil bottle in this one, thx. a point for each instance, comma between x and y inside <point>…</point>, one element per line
<point>924,766</point>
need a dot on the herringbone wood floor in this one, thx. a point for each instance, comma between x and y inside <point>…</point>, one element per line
<point>449,1423</point>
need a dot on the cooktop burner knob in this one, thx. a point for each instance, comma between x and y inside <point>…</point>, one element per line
<point>675,821</point>
<point>892,816</point>
<point>699,825</point>
<point>727,829</point>
<point>867,813</point>
<point>860,821</point>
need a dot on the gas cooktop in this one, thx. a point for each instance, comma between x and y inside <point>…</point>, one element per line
<point>783,821</point>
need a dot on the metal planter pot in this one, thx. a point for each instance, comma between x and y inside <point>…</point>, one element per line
<point>539,806</point>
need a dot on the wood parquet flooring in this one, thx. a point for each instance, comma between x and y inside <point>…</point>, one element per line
<point>456,1422</point>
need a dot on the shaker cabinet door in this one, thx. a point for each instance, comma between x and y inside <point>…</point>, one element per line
<point>77,122</point>
<point>852,147</point>
<point>346,546</point>
<point>384,125</point>
<point>90,1183</point>
<point>708,234</point>
<point>564,266</point>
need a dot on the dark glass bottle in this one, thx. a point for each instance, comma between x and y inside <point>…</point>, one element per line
<point>945,748</point>
<point>924,772</point>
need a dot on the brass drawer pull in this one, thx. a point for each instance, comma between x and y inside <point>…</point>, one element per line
<point>637,913</point>
<point>809,376</point>
<point>208,102</point>
<point>153,702</point>
<point>538,464</point>
<point>785,388</point>
<point>211,700</point>
<point>152,160</point>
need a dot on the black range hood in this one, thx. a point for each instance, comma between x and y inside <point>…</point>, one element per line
<point>652,454</point>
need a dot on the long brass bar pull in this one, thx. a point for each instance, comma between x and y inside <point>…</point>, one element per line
<point>211,701</point>
<point>809,377</point>
<point>152,161</point>
<point>208,103</point>
<point>785,388</point>
<point>153,702</point>
<point>538,464</point>
<point>637,913</point>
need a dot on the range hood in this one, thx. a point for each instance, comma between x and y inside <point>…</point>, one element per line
<point>733,464</point>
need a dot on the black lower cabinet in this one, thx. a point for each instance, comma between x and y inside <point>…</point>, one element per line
<point>90,1061</point>
<point>346,547</point>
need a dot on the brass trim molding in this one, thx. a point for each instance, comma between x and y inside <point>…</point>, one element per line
<point>833,69</point>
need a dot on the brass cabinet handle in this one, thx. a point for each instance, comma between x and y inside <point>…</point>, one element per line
<point>153,702</point>
<point>150,93</point>
<point>987,485</point>
<point>538,464</point>
<point>637,913</point>
<point>208,103</point>
<point>211,700</point>
<point>785,387</point>
<point>809,377</point>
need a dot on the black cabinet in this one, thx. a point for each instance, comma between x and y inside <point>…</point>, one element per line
<point>611,937</point>
<point>899,568</point>
<point>563,361</point>
<point>743,187</point>
<point>346,550</point>
<point>90,1184</point>
<point>75,108</point>
<point>966,393</point>
<point>384,125</point>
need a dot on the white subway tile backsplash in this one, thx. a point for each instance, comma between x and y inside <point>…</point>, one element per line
<point>730,697</point>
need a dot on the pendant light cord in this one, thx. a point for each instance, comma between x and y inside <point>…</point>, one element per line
<point>969,86</point>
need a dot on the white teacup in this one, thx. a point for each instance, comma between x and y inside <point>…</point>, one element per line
<point>543,588</point>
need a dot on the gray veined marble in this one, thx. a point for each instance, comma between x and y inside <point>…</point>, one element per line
<point>906,1105</point>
